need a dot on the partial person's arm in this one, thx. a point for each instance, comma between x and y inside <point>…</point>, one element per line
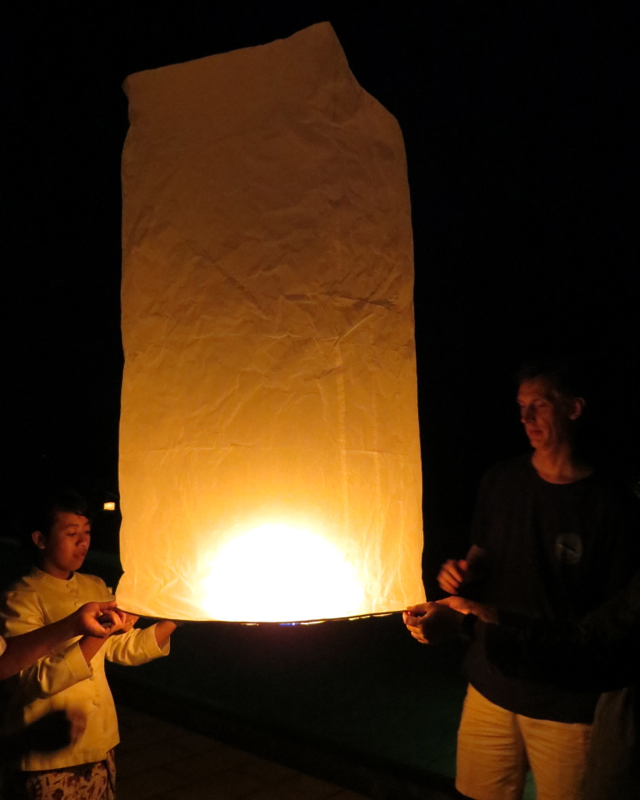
<point>600,652</point>
<point>22,651</point>
<point>22,613</point>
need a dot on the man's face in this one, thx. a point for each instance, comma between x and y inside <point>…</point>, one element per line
<point>545,415</point>
<point>64,549</point>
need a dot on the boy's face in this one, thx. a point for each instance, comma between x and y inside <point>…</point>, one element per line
<point>64,549</point>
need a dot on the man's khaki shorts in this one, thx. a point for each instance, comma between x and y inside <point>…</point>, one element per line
<point>496,748</point>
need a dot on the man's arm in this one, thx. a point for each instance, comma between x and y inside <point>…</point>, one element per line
<point>454,574</point>
<point>434,623</point>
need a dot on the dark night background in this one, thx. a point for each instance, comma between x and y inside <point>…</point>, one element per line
<point>521,128</point>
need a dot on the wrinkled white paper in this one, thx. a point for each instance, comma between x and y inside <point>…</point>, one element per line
<point>269,451</point>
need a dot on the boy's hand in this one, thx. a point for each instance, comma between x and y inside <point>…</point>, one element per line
<point>113,621</point>
<point>121,622</point>
<point>93,619</point>
<point>128,621</point>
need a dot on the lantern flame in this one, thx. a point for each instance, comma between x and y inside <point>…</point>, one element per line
<point>278,572</point>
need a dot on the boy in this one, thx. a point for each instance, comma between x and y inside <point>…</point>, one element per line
<point>73,677</point>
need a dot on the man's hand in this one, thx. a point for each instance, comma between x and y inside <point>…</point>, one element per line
<point>414,612</point>
<point>437,622</point>
<point>412,616</point>
<point>454,574</point>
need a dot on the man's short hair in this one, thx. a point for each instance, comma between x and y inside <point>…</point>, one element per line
<point>49,505</point>
<point>563,377</point>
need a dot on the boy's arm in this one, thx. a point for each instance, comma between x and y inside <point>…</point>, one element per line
<point>163,631</point>
<point>141,645</point>
<point>118,621</point>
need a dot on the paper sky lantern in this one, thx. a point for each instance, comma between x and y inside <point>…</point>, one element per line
<point>269,451</point>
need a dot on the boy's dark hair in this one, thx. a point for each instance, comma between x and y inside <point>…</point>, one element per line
<point>49,505</point>
<point>41,516</point>
<point>563,377</point>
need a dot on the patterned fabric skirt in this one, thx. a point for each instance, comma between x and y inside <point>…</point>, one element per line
<point>94,781</point>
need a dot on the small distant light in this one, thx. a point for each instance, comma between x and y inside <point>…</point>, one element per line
<point>109,506</point>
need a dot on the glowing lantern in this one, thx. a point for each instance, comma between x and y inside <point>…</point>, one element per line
<point>269,451</point>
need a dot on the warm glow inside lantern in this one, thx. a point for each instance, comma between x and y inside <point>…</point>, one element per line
<point>269,451</point>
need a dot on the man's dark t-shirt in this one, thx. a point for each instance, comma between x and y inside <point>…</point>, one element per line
<point>552,551</point>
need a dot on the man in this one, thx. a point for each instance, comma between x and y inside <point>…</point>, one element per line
<point>548,541</point>
<point>599,652</point>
